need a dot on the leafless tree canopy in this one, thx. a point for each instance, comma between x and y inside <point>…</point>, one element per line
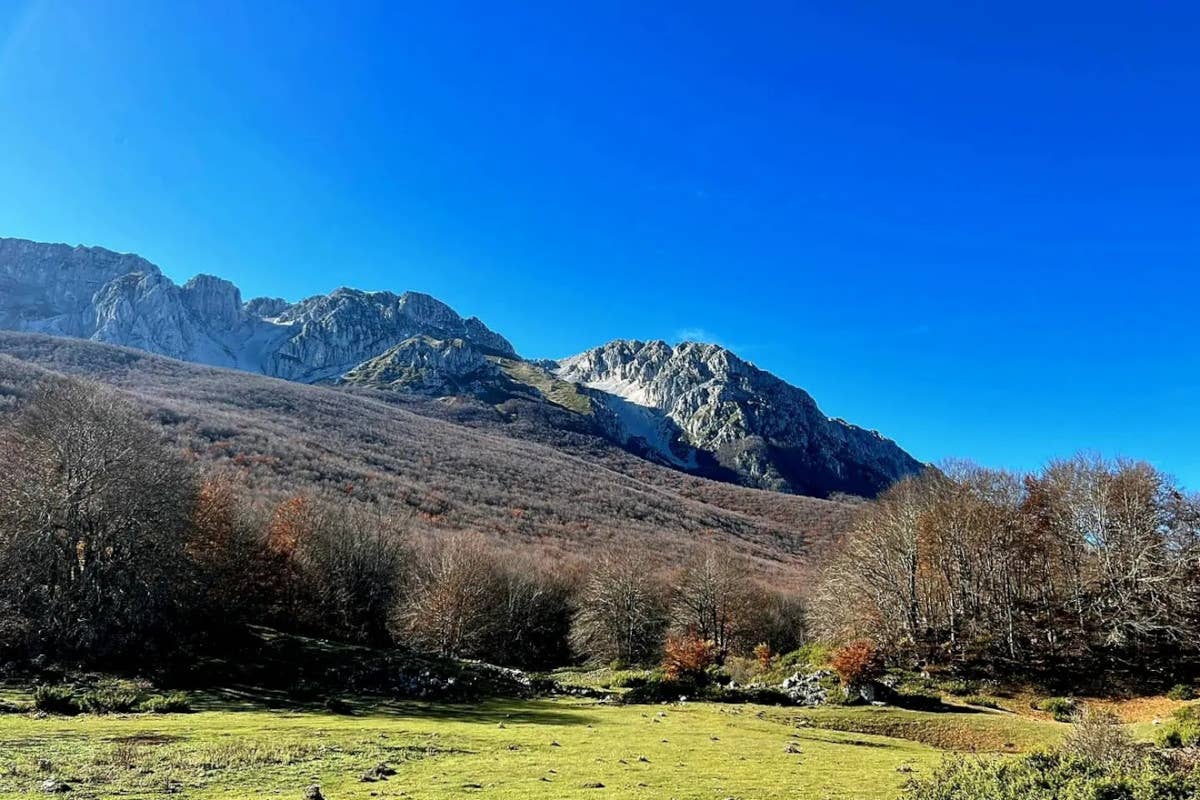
<point>94,522</point>
<point>623,611</point>
<point>1086,562</point>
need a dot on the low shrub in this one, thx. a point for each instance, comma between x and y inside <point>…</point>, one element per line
<point>857,662</point>
<point>659,688</point>
<point>962,688</point>
<point>628,679</point>
<point>1186,714</point>
<point>688,657</point>
<point>109,701</point>
<point>1181,691</point>
<point>1052,776</point>
<point>1061,708</point>
<point>337,705</point>
<point>813,654</point>
<point>980,700</point>
<point>764,656</point>
<point>1182,730</point>
<point>743,670</point>
<point>12,708</point>
<point>763,696</point>
<point>1099,737</point>
<point>55,700</point>
<point>174,703</point>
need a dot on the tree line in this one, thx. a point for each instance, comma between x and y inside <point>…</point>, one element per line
<point>1086,567</point>
<point>115,551</point>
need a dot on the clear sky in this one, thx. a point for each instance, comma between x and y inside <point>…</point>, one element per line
<point>973,226</point>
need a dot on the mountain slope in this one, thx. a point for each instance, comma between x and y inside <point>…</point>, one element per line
<point>96,294</point>
<point>696,408</point>
<point>750,422</point>
<point>455,464</point>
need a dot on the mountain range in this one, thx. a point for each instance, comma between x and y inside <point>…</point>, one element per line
<point>693,407</point>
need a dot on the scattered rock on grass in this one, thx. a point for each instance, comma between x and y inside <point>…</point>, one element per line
<point>313,793</point>
<point>379,772</point>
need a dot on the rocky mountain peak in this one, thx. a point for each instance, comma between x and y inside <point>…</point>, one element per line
<point>745,419</point>
<point>49,287</point>
<point>695,406</point>
<point>213,299</point>
<point>267,307</point>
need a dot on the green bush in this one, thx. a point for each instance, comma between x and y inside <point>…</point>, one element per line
<point>814,654</point>
<point>980,700</point>
<point>962,688</point>
<point>661,689</point>
<point>1181,691</point>
<point>1186,714</point>
<point>109,701</point>
<point>628,679</point>
<point>1061,708</point>
<point>1052,776</point>
<point>174,703</point>
<point>55,700</point>
<point>1183,729</point>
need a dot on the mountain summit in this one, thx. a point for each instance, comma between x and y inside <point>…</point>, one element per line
<point>704,399</point>
<point>696,407</point>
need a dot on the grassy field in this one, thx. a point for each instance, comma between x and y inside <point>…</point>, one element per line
<point>511,749</point>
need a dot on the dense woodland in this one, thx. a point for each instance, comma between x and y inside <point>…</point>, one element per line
<point>1087,568</point>
<point>116,546</point>
<point>459,465</point>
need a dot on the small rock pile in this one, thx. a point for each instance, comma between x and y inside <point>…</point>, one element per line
<point>809,689</point>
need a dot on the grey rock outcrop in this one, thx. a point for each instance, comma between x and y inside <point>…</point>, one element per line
<point>331,334</point>
<point>93,293</point>
<point>428,366</point>
<point>761,428</point>
<point>267,307</point>
<point>49,287</point>
<point>697,407</point>
<point>808,688</point>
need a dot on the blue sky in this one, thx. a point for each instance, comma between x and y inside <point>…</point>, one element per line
<point>973,226</point>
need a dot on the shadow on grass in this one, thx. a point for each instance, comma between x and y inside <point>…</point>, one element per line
<point>933,705</point>
<point>496,711</point>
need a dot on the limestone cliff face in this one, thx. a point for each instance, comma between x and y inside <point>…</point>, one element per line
<point>697,407</point>
<point>333,333</point>
<point>768,432</point>
<point>49,287</point>
<point>123,299</point>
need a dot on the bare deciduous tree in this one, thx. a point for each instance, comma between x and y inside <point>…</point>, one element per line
<point>455,595</point>
<point>713,597</point>
<point>622,612</point>
<point>1088,561</point>
<point>94,521</point>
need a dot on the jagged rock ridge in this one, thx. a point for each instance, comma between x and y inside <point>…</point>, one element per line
<point>751,422</point>
<point>93,293</point>
<point>694,407</point>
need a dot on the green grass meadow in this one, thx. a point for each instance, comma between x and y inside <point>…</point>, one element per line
<point>503,749</point>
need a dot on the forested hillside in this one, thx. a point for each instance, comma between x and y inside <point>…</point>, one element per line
<point>456,465</point>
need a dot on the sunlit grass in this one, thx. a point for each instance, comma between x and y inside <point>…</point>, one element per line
<point>517,749</point>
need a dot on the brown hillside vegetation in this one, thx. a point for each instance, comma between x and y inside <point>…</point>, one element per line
<point>459,465</point>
